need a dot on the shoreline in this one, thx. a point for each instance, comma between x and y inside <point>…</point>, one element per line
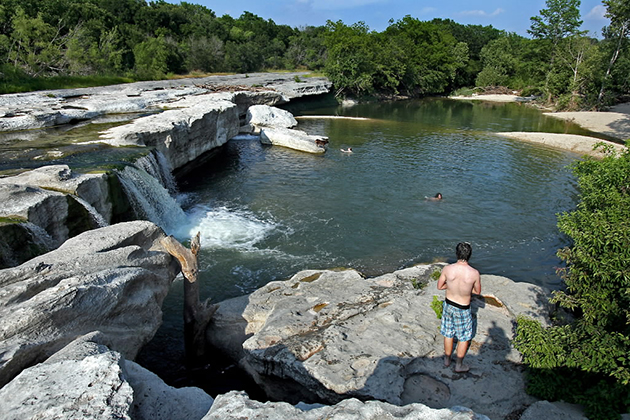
<point>614,123</point>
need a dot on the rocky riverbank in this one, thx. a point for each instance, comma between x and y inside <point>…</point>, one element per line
<point>74,319</point>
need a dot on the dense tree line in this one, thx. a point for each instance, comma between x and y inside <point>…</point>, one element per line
<point>150,40</point>
<point>145,40</point>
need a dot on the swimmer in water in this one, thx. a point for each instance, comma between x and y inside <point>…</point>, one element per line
<point>437,197</point>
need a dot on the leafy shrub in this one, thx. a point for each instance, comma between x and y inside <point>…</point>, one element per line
<point>586,361</point>
<point>436,305</point>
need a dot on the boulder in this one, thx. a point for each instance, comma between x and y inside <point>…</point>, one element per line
<point>154,399</point>
<point>81,381</point>
<point>111,279</point>
<point>44,208</point>
<point>20,241</point>
<point>553,410</point>
<point>86,379</point>
<point>93,189</point>
<point>268,116</point>
<point>324,336</point>
<point>294,139</point>
<point>236,405</point>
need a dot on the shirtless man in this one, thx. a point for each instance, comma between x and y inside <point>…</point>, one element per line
<point>460,281</point>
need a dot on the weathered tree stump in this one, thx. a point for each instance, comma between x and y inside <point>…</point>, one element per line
<point>196,314</point>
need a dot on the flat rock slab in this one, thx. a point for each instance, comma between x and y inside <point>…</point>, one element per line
<point>294,139</point>
<point>331,335</point>
<point>23,111</point>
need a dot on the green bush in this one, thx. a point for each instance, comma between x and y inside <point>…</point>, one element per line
<point>437,307</point>
<point>587,361</point>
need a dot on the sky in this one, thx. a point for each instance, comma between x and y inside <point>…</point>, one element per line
<point>508,15</point>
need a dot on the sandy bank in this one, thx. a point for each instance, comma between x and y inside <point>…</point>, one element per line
<point>572,142</point>
<point>614,123</point>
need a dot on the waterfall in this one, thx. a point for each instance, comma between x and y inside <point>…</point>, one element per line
<point>151,200</point>
<point>96,216</point>
<point>156,165</point>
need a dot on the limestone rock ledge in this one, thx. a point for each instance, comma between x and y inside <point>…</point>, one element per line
<point>331,335</point>
<point>86,379</point>
<point>112,280</point>
<point>225,406</point>
<point>25,111</point>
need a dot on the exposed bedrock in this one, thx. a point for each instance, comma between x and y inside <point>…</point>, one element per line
<point>323,336</point>
<point>111,279</point>
<point>86,379</point>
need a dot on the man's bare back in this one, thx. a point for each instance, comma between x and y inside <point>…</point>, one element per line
<point>460,280</point>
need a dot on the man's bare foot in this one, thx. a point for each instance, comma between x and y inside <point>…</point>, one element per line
<point>461,368</point>
<point>447,361</point>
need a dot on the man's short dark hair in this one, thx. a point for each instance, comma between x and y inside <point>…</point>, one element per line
<point>463,251</point>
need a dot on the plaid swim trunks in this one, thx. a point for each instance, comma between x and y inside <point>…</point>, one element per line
<point>456,322</point>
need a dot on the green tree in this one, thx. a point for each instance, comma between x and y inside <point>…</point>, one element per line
<point>306,48</point>
<point>577,53</point>
<point>476,37</point>
<point>586,360</point>
<point>151,58</point>
<point>204,54</point>
<point>350,64</point>
<point>560,19</point>
<point>86,55</point>
<point>432,55</point>
<point>499,63</point>
<point>35,47</point>
<point>619,30</point>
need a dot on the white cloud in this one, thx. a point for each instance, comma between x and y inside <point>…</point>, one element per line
<point>596,13</point>
<point>343,4</point>
<point>481,13</point>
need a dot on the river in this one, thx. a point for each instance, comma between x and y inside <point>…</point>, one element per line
<point>265,212</point>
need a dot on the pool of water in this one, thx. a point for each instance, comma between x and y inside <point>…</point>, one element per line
<point>266,212</point>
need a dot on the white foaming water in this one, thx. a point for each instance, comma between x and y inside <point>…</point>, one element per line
<point>225,228</point>
<point>156,165</point>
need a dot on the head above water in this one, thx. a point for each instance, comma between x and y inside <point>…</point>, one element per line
<point>463,251</point>
<point>438,196</point>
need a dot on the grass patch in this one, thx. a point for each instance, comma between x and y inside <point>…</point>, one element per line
<point>12,220</point>
<point>20,84</point>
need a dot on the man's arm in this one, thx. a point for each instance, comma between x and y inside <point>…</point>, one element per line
<point>442,280</point>
<point>477,286</point>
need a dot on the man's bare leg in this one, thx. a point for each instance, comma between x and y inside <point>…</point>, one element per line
<point>448,351</point>
<point>462,347</point>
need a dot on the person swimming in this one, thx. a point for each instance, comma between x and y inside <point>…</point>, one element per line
<point>437,197</point>
<point>348,150</point>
